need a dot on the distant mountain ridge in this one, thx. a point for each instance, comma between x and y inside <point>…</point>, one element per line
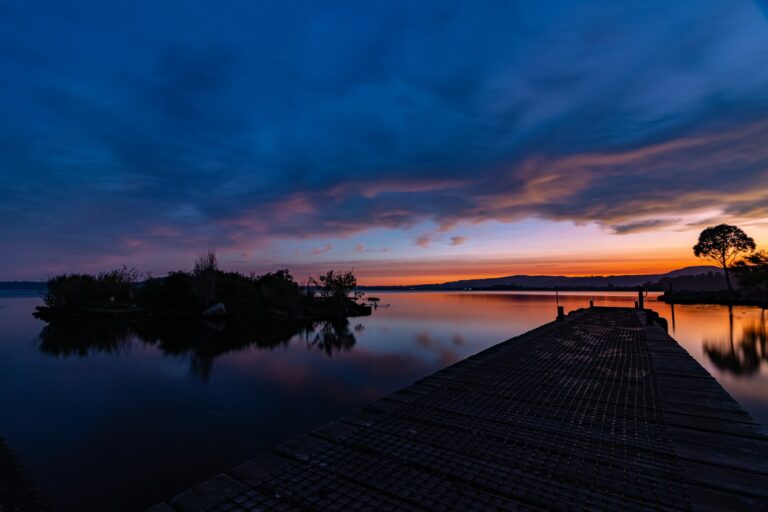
<point>543,281</point>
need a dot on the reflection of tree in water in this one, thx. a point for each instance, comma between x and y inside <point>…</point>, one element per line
<point>202,342</point>
<point>71,338</point>
<point>744,357</point>
<point>333,336</point>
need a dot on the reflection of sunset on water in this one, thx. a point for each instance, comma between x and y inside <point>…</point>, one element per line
<point>254,388</point>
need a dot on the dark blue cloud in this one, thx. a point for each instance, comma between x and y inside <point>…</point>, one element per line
<point>188,123</point>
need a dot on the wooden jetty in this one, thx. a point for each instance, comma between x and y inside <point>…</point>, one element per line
<point>599,411</point>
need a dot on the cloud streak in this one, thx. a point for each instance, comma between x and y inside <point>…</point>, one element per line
<point>321,250</point>
<point>423,241</point>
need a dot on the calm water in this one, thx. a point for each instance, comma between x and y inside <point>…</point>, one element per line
<point>115,418</point>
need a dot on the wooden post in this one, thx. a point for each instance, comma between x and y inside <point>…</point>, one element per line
<point>640,299</point>
<point>560,313</point>
<point>591,303</point>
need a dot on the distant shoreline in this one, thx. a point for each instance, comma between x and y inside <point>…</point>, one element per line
<point>22,286</point>
<point>438,288</point>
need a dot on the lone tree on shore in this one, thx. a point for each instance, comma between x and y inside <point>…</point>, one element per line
<point>723,244</point>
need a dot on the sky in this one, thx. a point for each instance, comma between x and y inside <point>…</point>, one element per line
<point>410,141</point>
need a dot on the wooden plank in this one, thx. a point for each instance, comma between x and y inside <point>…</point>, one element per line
<point>729,451</point>
<point>733,481</point>
<point>741,429</point>
<point>208,494</point>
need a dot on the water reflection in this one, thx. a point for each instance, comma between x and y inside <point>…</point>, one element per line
<point>119,398</point>
<point>202,343</point>
<point>742,357</point>
<point>332,336</point>
<point>65,339</point>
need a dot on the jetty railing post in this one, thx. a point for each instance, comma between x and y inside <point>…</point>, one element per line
<point>560,311</point>
<point>640,298</point>
<point>591,303</point>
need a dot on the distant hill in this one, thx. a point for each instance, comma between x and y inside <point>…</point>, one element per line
<point>547,282</point>
<point>694,271</point>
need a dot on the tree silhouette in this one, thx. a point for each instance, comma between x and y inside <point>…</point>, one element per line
<point>336,285</point>
<point>723,244</point>
<point>204,274</point>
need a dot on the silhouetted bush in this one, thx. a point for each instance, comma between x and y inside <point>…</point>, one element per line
<point>278,288</point>
<point>106,289</point>
<point>182,291</point>
<point>752,272</point>
<point>68,291</point>
<point>174,292</point>
<point>337,285</point>
<point>237,292</point>
<point>118,285</point>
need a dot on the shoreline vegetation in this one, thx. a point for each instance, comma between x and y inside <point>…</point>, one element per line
<point>206,293</point>
<point>735,252</point>
<point>718,297</point>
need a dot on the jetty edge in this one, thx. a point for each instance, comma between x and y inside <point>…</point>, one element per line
<point>599,410</point>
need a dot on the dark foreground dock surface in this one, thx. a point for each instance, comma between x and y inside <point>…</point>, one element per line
<point>598,412</point>
<point>18,492</point>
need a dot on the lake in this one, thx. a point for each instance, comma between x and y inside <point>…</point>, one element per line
<point>110,416</point>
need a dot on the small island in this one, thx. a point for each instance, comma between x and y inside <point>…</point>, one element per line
<point>206,293</point>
